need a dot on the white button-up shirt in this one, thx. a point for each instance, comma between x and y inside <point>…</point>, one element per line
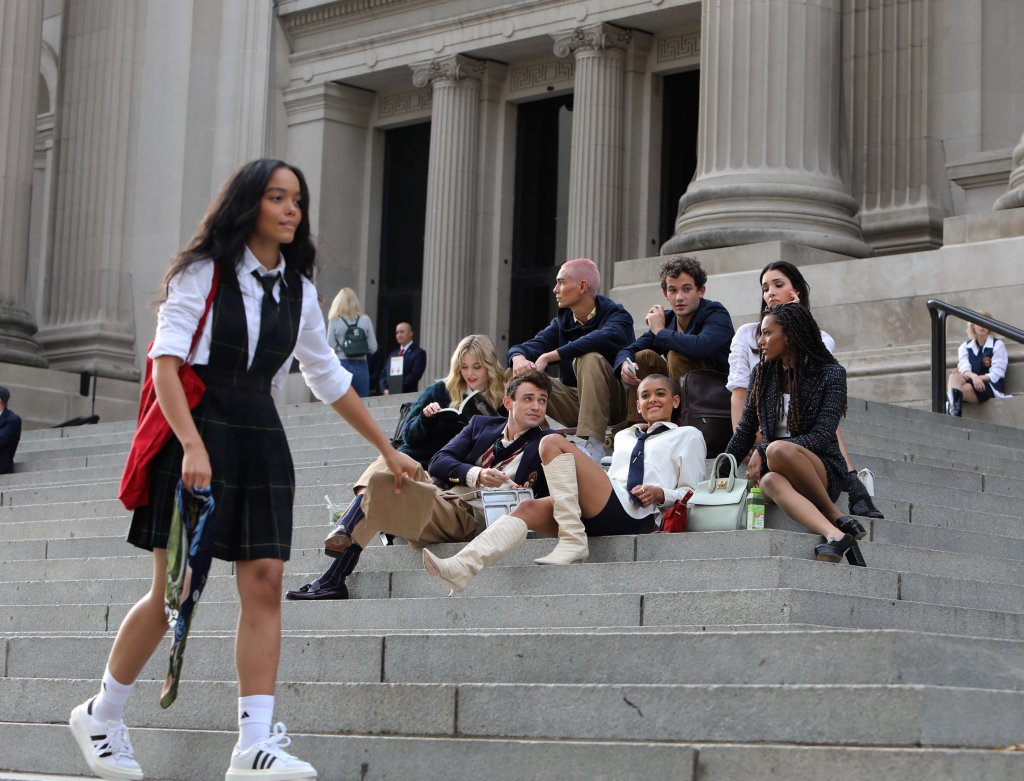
<point>186,298</point>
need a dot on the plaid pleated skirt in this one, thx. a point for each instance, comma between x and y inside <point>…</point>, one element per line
<point>253,475</point>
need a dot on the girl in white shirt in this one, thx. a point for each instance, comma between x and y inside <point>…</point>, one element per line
<point>584,500</point>
<point>980,369</point>
<point>782,283</point>
<point>265,310</point>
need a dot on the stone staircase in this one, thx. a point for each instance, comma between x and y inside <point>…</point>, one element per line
<point>714,656</point>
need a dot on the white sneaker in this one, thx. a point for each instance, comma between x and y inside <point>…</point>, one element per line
<point>267,760</point>
<point>104,744</point>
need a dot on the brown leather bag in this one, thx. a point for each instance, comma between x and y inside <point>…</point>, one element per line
<point>705,405</point>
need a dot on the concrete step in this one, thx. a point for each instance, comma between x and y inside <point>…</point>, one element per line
<point>870,657</point>
<point>178,755</point>
<point>874,715</point>
<point>774,606</point>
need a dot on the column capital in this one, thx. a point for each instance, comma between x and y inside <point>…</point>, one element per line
<point>457,67</point>
<point>596,37</point>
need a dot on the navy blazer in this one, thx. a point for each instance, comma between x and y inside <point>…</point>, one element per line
<point>706,338</point>
<point>10,436</point>
<point>452,463</point>
<point>607,332</point>
<point>412,368</point>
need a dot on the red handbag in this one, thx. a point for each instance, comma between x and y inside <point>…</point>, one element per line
<point>674,519</point>
<point>153,431</point>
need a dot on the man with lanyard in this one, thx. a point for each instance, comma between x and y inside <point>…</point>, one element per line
<point>583,339</point>
<point>491,452</point>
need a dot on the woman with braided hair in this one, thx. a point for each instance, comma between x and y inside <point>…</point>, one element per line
<point>797,396</point>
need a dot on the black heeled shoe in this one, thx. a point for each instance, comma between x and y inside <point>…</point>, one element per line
<point>851,526</point>
<point>834,550</point>
<point>854,556</point>
<point>860,500</point>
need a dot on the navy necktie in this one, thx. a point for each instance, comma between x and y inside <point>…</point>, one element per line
<point>268,309</point>
<point>636,460</point>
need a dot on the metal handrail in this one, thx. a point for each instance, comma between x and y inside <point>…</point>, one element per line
<point>938,310</point>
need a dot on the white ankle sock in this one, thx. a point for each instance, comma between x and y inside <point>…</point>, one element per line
<point>255,713</point>
<point>109,704</point>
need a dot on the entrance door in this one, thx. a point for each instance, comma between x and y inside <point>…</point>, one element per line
<point>543,139</point>
<point>681,98</point>
<point>403,224</point>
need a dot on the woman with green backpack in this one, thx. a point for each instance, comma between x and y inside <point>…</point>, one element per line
<point>350,335</point>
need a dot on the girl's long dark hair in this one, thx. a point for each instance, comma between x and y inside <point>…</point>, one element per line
<point>806,352</point>
<point>796,279</point>
<point>230,219</point>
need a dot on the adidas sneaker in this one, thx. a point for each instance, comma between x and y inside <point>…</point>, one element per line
<point>104,744</point>
<point>267,760</point>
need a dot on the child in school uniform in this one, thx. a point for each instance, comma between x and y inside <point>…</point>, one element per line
<point>265,310</point>
<point>980,369</point>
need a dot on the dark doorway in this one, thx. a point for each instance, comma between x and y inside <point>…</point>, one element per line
<point>403,224</point>
<point>680,110</point>
<point>543,139</point>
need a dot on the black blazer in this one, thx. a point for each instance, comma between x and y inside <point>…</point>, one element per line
<point>10,436</point>
<point>412,369</point>
<point>452,462</point>
<point>822,400</point>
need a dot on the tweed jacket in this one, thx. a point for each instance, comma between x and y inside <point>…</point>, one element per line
<point>822,400</point>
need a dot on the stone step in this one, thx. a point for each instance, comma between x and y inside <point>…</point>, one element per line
<point>920,439</point>
<point>179,755</point>
<point>940,426</point>
<point>777,606</point>
<point>870,657</point>
<point>886,447</point>
<point>874,715</point>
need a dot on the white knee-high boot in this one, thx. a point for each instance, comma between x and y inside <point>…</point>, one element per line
<point>492,544</point>
<point>560,474</point>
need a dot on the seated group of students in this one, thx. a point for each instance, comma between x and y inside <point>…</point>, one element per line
<point>788,392</point>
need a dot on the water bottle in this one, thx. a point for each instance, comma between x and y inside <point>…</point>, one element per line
<point>755,509</point>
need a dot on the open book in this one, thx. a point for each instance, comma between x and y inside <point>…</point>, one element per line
<point>454,419</point>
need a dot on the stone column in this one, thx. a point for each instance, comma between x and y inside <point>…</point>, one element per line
<point>595,170</point>
<point>768,158</point>
<point>21,29</point>
<point>88,320</point>
<point>449,247</point>
<point>1013,198</point>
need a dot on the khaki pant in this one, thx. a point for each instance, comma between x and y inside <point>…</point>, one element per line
<point>421,514</point>
<point>649,362</point>
<point>596,402</point>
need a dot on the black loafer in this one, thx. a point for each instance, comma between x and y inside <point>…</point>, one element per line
<point>315,591</point>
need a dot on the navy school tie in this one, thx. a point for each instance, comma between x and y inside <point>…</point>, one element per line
<point>268,309</point>
<point>636,460</point>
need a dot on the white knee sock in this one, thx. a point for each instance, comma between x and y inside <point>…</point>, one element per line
<point>255,713</point>
<point>109,704</point>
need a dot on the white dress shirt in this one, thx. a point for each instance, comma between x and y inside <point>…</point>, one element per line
<point>1000,360</point>
<point>673,461</point>
<point>744,354</point>
<point>186,298</point>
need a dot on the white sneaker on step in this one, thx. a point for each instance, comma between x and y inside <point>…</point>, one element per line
<point>104,744</point>
<point>267,760</point>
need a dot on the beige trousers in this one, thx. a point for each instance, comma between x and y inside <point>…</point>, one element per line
<point>649,362</point>
<point>597,401</point>
<point>421,514</point>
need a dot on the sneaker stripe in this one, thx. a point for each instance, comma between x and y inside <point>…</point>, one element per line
<point>271,762</point>
<point>256,760</point>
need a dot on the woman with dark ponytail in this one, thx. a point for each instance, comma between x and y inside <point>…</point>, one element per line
<point>264,311</point>
<point>797,394</point>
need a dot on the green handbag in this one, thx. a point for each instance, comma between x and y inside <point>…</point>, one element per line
<point>717,504</point>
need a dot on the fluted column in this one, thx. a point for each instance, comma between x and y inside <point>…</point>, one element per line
<point>1013,198</point>
<point>768,159</point>
<point>595,170</point>
<point>88,322</point>
<point>449,256</point>
<point>21,27</point>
